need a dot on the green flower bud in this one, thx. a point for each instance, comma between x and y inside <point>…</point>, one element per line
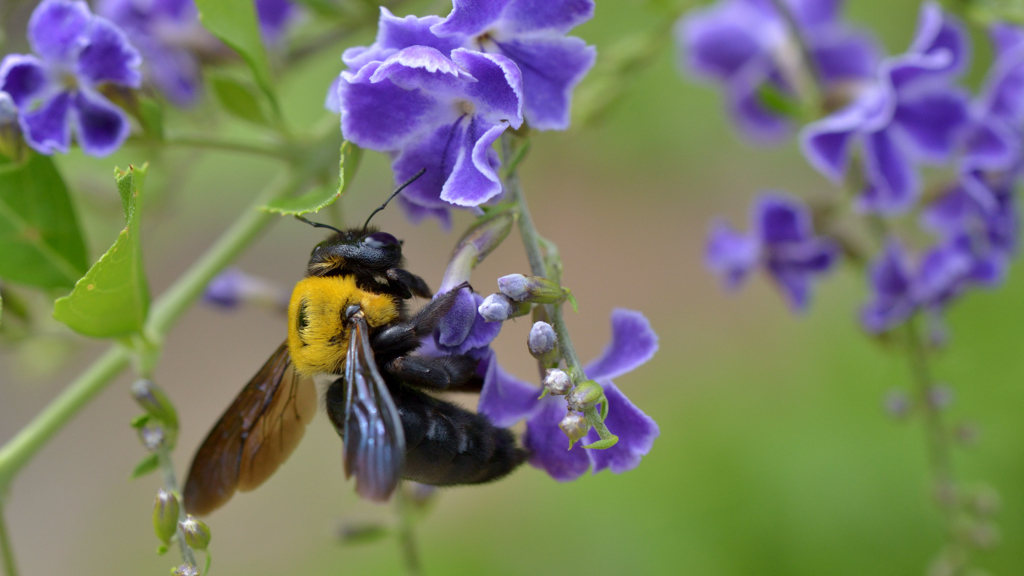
<point>532,289</point>
<point>575,427</point>
<point>586,394</point>
<point>197,533</point>
<point>165,516</point>
<point>557,382</point>
<point>155,403</point>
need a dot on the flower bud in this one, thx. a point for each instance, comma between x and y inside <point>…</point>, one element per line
<point>233,287</point>
<point>185,569</point>
<point>897,404</point>
<point>532,289</point>
<point>496,308</point>
<point>152,437</point>
<point>197,533</point>
<point>155,403</point>
<point>542,339</point>
<point>585,395</point>
<point>557,382</point>
<point>483,237</point>
<point>165,515</point>
<point>575,427</point>
<point>940,396</point>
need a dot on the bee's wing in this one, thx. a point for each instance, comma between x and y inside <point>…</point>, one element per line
<point>253,437</point>
<point>374,440</point>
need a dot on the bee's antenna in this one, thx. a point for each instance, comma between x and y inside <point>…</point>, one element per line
<point>317,224</point>
<point>393,194</point>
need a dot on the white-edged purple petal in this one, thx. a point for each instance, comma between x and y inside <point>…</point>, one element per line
<point>991,145</point>
<point>721,40</point>
<point>1003,92</point>
<point>394,34</point>
<point>46,128</point>
<point>633,343</point>
<point>729,254</point>
<point>470,17</point>
<point>497,93</point>
<point>522,16</point>
<point>504,398</point>
<point>473,179</point>
<point>435,152</point>
<point>100,126</point>
<point>636,432</point>
<point>843,55</point>
<point>826,143</point>
<point>550,447</point>
<point>893,180</point>
<point>779,219</point>
<point>383,116</point>
<point>939,33</point>
<point>108,57</point>
<point>941,275</point>
<point>890,279</point>
<point>418,67</point>
<point>933,122</point>
<point>25,78</point>
<point>551,68</point>
<point>456,324</point>
<point>57,29</point>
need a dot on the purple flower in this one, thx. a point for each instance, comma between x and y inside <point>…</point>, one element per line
<point>531,33</point>
<point>233,287</point>
<point>633,343</point>
<point>173,42</point>
<point>58,91</point>
<point>911,114</point>
<point>435,112</point>
<point>783,241</point>
<point>745,46</point>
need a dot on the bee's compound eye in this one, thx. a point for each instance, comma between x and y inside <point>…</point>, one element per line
<point>381,240</point>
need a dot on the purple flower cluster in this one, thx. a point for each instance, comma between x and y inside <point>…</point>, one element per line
<point>436,93</point>
<point>58,90</point>
<point>174,43</point>
<point>782,241</point>
<point>746,47</point>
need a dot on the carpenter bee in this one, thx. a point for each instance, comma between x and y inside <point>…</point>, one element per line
<point>349,331</point>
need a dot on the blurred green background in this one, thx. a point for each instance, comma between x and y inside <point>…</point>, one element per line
<point>775,454</point>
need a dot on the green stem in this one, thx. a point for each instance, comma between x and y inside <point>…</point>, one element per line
<point>6,550</point>
<point>406,535</point>
<point>227,145</point>
<point>17,451</point>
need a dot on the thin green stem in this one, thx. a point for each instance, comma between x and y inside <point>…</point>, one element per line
<point>406,535</point>
<point>6,550</point>
<point>226,145</point>
<point>17,451</point>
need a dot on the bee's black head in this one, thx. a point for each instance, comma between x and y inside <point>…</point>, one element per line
<point>355,250</point>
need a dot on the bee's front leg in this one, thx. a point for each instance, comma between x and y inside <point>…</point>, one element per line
<point>403,337</point>
<point>436,372</point>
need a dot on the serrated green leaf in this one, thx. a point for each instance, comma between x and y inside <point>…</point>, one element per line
<point>145,466</point>
<point>234,22</point>
<point>40,242</point>
<point>112,299</point>
<point>238,98</point>
<point>320,198</point>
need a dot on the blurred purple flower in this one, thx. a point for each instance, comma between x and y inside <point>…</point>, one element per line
<point>633,343</point>
<point>911,114</point>
<point>531,33</point>
<point>58,91</point>
<point>434,112</point>
<point>783,241</point>
<point>745,46</point>
<point>233,287</point>
<point>173,42</point>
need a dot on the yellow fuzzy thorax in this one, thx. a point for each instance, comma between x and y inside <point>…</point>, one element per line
<point>317,335</point>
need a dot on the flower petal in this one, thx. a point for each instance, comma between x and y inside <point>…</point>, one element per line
<point>940,34</point>
<point>100,126</point>
<point>470,17</point>
<point>108,57</point>
<point>394,34</point>
<point>843,55</point>
<point>893,180</point>
<point>474,179</point>
<point>384,116</point>
<point>554,15</point>
<point>633,343</point>
<point>504,398</point>
<point>1003,93</point>
<point>497,93</point>
<point>274,17</point>
<point>46,128</point>
<point>550,447</point>
<point>932,121</point>
<point>826,143</point>
<point>795,286</point>
<point>456,324</point>
<point>416,213</point>
<point>749,111</point>
<point>779,219</point>
<point>636,432</point>
<point>890,279</point>
<point>991,145</point>
<point>730,255</point>
<point>57,29</point>
<point>721,40</point>
<point>420,67</point>
<point>438,154</point>
<point>24,78</point>
<point>551,69</point>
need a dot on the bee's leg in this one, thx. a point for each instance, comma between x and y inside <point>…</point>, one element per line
<point>447,445</point>
<point>400,338</point>
<point>413,284</point>
<point>436,372</point>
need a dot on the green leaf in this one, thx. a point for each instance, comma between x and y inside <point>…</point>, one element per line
<point>140,421</point>
<point>40,240</point>
<point>238,98</point>
<point>603,444</point>
<point>320,198</point>
<point>234,22</point>
<point>145,466</point>
<point>151,116</point>
<point>112,299</point>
